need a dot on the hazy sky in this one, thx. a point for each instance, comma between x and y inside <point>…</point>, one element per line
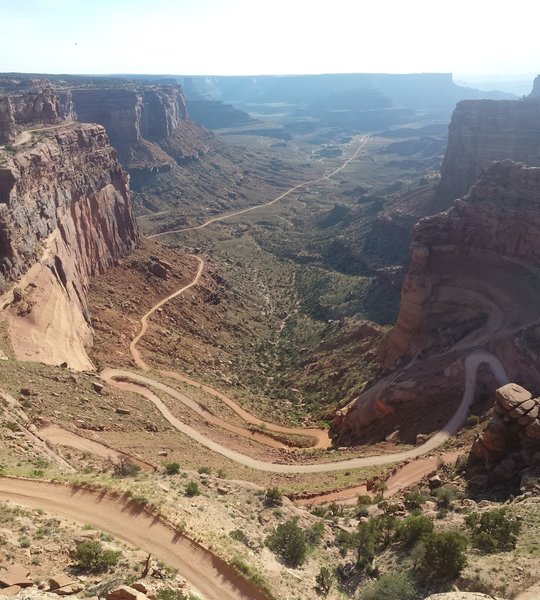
<point>269,36</point>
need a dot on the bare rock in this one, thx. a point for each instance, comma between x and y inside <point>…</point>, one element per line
<point>15,575</point>
<point>125,592</point>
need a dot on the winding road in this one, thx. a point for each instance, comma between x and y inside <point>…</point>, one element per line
<point>209,574</point>
<point>269,203</point>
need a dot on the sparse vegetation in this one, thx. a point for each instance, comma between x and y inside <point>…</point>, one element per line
<point>289,542</point>
<point>91,556</point>
<point>493,531</point>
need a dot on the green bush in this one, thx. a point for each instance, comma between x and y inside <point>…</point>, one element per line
<point>391,586</point>
<point>172,468</point>
<point>367,540</point>
<point>446,495</point>
<point>273,497</point>
<point>314,534</point>
<point>413,529</point>
<point>173,594</point>
<point>204,470</point>
<point>192,489</point>
<point>493,530</point>
<point>414,500</point>
<point>90,556</point>
<point>443,555</point>
<point>288,541</point>
<point>325,580</point>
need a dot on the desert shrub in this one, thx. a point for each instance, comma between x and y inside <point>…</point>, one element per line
<point>273,497</point>
<point>240,536</point>
<point>172,468</point>
<point>367,539</point>
<point>364,500</point>
<point>204,470</point>
<point>91,556</point>
<point>314,534</point>
<point>173,594</point>
<point>124,467</point>
<point>288,541</point>
<point>324,580</point>
<point>493,530</point>
<point>445,496</point>
<point>192,489</point>
<point>391,586</point>
<point>413,529</point>
<point>443,555</point>
<point>414,500</point>
<point>362,511</point>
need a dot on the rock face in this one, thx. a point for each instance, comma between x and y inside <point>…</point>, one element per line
<point>65,215</point>
<point>483,131</point>
<point>7,121</point>
<point>473,268</point>
<point>509,448</point>
<point>149,127</point>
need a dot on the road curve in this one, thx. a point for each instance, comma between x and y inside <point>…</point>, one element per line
<point>269,203</point>
<point>142,385</point>
<point>124,518</point>
<point>144,319</point>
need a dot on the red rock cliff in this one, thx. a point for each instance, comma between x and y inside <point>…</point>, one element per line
<point>148,126</point>
<point>484,131</point>
<point>65,215</point>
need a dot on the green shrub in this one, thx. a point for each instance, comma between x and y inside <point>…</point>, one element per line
<point>204,470</point>
<point>414,500</point>
<point>413,529</point>
<point>192,489</point>
<point>314,534</point>
<point>172,468</point>
<point>364,500</point>
<point>273,497</point>
<point>288,541</point>
<point>172,594</point>
<point>325,580</point>
<point>443,555</point>
<point>124,467</point>
<point>446,495</point>
<point>90,556</point>
<point>367,540</point>
<point>391,586</point>
<point>493,530</point>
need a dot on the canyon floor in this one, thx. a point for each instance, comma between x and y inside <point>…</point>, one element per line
<point>252,313</point>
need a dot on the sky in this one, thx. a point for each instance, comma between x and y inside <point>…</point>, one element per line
<point>255,37</point>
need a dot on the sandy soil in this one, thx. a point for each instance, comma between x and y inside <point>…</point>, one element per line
<point>208,574</point>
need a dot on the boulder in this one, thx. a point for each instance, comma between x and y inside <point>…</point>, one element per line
<point>125,592</point>
<point>511,395</point>
<point>15,575</point>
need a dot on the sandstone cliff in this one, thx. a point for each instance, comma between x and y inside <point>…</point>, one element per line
<point>65,215</point>
<point>473,281</point>
<point>473,269</point>
<point>148,126</point>
<point>483,131</point>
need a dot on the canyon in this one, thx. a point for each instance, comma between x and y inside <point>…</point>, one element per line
<point>220,276</point>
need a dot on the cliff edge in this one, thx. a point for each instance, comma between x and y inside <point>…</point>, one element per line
<point>65,215</point>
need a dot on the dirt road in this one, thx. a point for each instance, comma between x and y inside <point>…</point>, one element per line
<point>277,199</point>
<point>144,320</point>
<point>207,573</point>
<point>143,385</point>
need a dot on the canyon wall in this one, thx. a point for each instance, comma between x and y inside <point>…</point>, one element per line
<point>65,215</point>
<point>148,126</point>
<point>536,88</point>
<point>473,282</point>
<point>483,131</point>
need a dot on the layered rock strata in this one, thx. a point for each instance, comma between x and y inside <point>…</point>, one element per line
<point>483,131</point>
<point>473,281</point>
<point>65,215</point>
<point>149,127</point>
<point>474,268</point>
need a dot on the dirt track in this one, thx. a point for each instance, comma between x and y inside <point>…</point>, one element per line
<point>277,199</point>
<point>208,574</point>
<point>142,385</point>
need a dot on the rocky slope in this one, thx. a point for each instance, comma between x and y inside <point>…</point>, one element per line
<point>483,131</point>
<point>473,281</point>
<point>65,215</point>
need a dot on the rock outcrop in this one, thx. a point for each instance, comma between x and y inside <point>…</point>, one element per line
<point>65,215</point>
<point>484,131</point>
<point>474,280</point>
<point>8,130</point>
<point>473,268</point>
<point>148,126</point>
<point>509,447</point>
